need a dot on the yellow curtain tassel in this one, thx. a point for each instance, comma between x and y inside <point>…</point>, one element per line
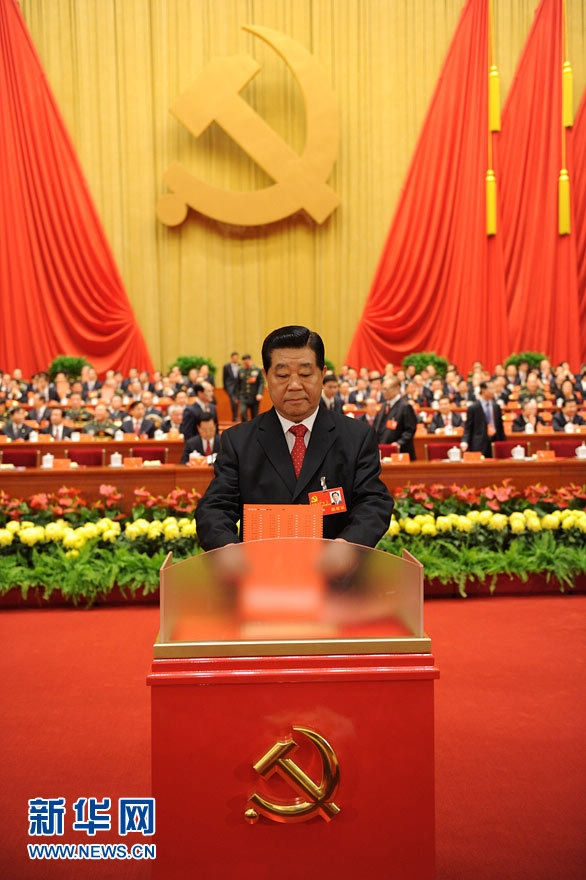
<point>494,99</point>
<point>567,95</point>
<point>564,202</point>
<point>490,202</point>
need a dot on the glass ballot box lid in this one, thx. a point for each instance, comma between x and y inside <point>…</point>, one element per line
<point>291,596</point>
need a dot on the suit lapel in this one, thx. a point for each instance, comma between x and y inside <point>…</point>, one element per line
<point>322,438</point>
<point>272,440</point>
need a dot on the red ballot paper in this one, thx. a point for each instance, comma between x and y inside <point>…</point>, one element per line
<point>331,500</point>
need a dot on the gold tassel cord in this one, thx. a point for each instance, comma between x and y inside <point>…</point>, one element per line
<point>564,202</point>
<point>567,95</point>
<point>490,202</point>
<point>494,99</point>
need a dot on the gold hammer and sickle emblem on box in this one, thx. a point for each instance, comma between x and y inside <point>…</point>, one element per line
<point>299,179</point>
<point>318,798</point>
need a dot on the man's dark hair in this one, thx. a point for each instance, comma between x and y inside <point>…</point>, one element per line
<point>484,385</point>
<point>205,417</point>
<point>570,400</point>
<point>293,336</point>
<point>330,377</point>
<point>18,409</point>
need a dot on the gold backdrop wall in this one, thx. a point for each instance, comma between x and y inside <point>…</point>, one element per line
<point>115,66</point>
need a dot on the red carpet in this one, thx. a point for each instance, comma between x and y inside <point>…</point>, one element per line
<point>510,712</point>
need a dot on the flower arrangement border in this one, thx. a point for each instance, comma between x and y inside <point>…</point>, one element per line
<point>60,546</point>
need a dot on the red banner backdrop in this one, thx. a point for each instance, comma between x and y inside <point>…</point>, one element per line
<point>440,284</point>
<point>60,290</point>
<point>540,265</point>
<point>579,193</point>
<point>440,280</point>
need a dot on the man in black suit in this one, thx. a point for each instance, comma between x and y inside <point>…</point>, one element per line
<point>206,441</point>
<point>329,394</point>
<point>444,418</point>
<point>204,394</point>
<point>16,428</point>
<point>136,422</point>
<point>39,412</point>
<point>230,382</point>
<point>568,415</point>
<point>56,428</point>
<point>484,422</point>
<point>396,421</point>
<point>294,449</point>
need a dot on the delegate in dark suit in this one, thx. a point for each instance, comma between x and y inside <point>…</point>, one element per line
<point>396,423</point>
<point>195,444</point>
<point>255,466</point>
<point>230,383</point>
<point>192,417</point>
<point>438,421</point>
<point>476,434</point>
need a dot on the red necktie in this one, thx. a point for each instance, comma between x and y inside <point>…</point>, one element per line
<point>208,448</point>
<point>298,451</point>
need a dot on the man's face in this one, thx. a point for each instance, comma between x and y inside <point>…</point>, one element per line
<point>181,398</point>
<point>532,383</point>
<point>208,392</point>
<point>207,429</point>
<point>488,392</point>
<point>330,389</point>
<point>295,382</point>
<point>246,362</point>
<point>116,401</point>
<point>147,398</point>
<point>56,417</point>
<point>75,401</point>
<point>344,389</point>
<point>530,408</point>
<point>444,406</point>
<point>18,416</point>
<point>138,412</point>
<point>100,412</point>
<point>375,385</point>
<point>234,358</point>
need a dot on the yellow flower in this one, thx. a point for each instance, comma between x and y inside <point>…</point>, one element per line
<point>394,528</point>
<point>549,521</point>
<point>412,527</point>
<point>464,524</point>
<point>534,524</point>
<point>27,524</point>
<point>569,522</point>
<point>69,538</point>
<point>89,530</point>
<point>171,531</point>
<point>498,522</point>
<point>169,521</point>
<point>443,524</point>
<point>6,537</point>
<point>428,529</point>
<point>132,531</point>
<point>473,515</point>
<point>517,525</point>
<point>72,553</point>
<point>154,530</point>
<point>32,536</point>
<point>13,526</point>
<point>453,518</point>
<point>109,535</point>
<point>142,526</point>
<point>484,517</point>
<point>54,531</point>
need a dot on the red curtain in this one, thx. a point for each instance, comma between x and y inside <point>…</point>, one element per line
<point>60,290</point>
<point>579,200</point>
<point>540,265</point>
<point>440,280</point>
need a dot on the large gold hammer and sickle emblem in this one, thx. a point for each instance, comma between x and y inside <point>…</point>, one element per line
<point>299,179</point>
<point>319,798</point>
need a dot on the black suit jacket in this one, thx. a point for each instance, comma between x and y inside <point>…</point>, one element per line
<point>192,416</point>
<point>146,427</point>
<point>229,381</point>
<point>476,430</point>
<point>195,444</point>
<point>559,421</point>
<point>255,467</point>
<point>21,432</point>
<point>519,422</point>
<point>403,415</point>
<point>65,431</point>
<point>438,422</point>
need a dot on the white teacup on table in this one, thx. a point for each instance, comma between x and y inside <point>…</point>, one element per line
<point>455,453</point>
<point>518,452</point>
<point>581,452</point>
